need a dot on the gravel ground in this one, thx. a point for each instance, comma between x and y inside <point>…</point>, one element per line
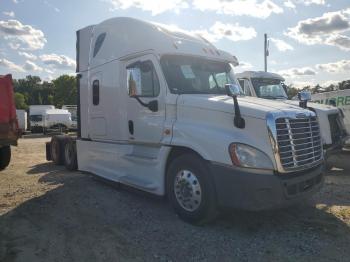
<point>50,214</point>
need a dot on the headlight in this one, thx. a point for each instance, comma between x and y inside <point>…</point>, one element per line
<point>246,156</point>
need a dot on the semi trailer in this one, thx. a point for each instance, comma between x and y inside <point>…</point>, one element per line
<point>271,86</point>
<point>8,122</point>
<point>152,114</point>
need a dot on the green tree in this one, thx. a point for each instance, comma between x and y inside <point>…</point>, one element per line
<point>20,101</point>
<point>65,90</point>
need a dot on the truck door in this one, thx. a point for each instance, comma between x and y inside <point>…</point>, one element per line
<point>97,120</point>
<point>145,100</point>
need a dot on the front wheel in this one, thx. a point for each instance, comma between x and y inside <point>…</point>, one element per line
<point>191,190</point>
<point>5,157</point>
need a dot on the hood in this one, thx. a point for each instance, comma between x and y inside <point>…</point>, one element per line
<point>249,106</point>
<point>318,107</point>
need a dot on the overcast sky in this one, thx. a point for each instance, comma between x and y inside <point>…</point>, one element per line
<point>309,39</point>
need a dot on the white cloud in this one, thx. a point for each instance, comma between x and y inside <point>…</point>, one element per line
<point>58,61</point>
<point>289,4</point>
<point>10,65</point>
<point>341,41</point>
<point>218,31</point>
<point>325,29</point>
<point>155,6</point>
<point>335,67</point>
<point>281,45</point>
<point>31,66</point>
<point>254,8</point>
<point>28,55</point>
<point>233,32</point>
<point>297,72</point>
<point>15,1</point>
<point>10,14</point>
<point>22,35</point>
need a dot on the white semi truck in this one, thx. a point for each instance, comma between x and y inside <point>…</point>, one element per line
<point>271,86</point>
<point>153,115</point>
<point>73,110</point>
<point>36,117</point>
<point>56,120</point>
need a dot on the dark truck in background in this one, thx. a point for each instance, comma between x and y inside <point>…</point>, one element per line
<point>8,121</point>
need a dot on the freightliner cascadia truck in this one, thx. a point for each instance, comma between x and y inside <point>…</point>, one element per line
<point>162,111</point>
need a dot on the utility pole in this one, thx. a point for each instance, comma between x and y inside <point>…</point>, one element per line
<point>266,51</point>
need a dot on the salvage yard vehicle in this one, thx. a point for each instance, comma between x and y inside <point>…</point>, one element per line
<point>152,114</point>
<point>73,110</point>
<point>339,98</point>
<point>271,86</point>
<point>36,117</point>
<point>56,120</point>
<point>8,121</point>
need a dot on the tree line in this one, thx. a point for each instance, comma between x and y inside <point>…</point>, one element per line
<point>63,91</point>
<point>31,90</point>
<point>293,91</point>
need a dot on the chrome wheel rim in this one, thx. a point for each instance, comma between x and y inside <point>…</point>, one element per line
<point>187,190</point>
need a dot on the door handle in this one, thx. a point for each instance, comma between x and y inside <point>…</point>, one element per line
<point>131,127</point>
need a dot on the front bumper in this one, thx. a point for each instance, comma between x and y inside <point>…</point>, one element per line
<point>253,191</point>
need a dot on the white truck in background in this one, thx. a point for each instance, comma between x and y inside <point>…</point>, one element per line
<point>153,115</point>
<point>339,98</point>
<point>22,118</point>
<point>271,86</point>
<point>56,120</point>
<point>73,110</point>
<point>36,117</point>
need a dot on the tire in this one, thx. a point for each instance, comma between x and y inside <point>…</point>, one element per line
<point>5,157</point>
<point>191,190</point>
<point>70,155</point>
<point>57,149</point>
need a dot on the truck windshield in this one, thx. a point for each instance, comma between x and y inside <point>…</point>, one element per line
<point>269,88</point>
<point>36,118</point>
<point>192,75</point>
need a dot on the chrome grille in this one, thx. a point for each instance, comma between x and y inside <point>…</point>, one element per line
<point>299,142</point>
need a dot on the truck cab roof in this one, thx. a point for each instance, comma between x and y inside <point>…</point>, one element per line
<point>122,37</point>
<point>259,74</point>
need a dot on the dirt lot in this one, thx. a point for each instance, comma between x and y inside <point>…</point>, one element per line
<point>49,214</point>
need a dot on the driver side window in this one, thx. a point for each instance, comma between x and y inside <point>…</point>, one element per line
<point>142,80</point>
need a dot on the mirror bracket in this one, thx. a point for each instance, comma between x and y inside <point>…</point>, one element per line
<point>152,105</point>
<point>238,120</point>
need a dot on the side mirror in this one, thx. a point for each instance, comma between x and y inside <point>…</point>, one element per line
<point>153,105</point>
<point>304,96</point>
<point>233,90</point>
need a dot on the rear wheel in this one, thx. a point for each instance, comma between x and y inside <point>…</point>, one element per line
<point>57,149</point>
<point>191,190</point>
<point>70,155</point>
<point>5,157</point>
